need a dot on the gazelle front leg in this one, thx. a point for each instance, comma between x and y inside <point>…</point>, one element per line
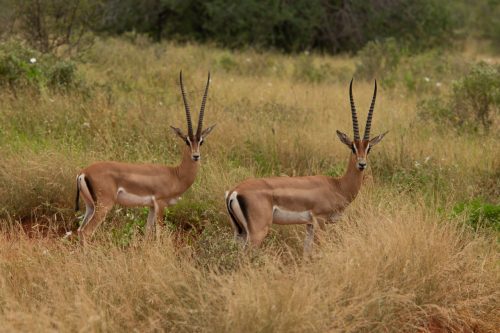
<point>152,217</point>
<point>309,240</point>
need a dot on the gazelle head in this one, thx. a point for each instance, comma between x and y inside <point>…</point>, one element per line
<point>361,148</point>
<point>194,141</point>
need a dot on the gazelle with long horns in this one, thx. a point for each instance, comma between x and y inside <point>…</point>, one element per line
<point>104,184</point>
<point>255,204</point>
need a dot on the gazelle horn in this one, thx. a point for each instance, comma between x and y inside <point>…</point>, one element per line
<point>202,109</point>
<point>353,112</point>
<point>186,106</point>
<point>370,114</point>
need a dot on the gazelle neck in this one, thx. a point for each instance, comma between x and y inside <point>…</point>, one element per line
<point>351,181</point>
<point>186,171</point>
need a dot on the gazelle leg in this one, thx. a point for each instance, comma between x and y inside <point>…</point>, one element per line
<point>322,227</point>
<point>152,217</point>
<point>89,212</point>
<point>257,237</point>
<point>87,229</point>
<point>161,213</point>
<point>241,239</point>
<point>308,242</point>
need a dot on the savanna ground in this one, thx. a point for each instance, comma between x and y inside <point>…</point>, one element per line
<point>413,253</point>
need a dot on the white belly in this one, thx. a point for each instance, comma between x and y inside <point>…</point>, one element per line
<point>127,199</point>
<point>283,216</point>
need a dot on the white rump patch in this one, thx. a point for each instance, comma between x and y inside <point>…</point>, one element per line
<point>283,216</point>
<point>132,200</point>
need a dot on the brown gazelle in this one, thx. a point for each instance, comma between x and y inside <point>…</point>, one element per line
<point>104,184</point>
<point>255,204</point>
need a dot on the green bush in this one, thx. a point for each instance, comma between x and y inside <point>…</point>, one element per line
<point>479,213</point>
<point>379,59</point>
<point>473,100</point>
<point>306,70</point>
<point>477,95</point>
<point>21,66</point>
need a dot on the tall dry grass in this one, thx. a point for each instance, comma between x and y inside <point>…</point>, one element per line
<point>399,272</point>
<point>398,261</point>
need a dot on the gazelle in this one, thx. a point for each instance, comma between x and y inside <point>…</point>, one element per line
<point>255,204</point>
<point>104,184</point>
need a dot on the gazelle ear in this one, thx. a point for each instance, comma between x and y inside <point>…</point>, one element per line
<point>179,133</point>
<point>377,139</point>
<point>344,139</point>
<point>207,131</point>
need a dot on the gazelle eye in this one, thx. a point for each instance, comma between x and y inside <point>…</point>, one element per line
<point>187,142</point>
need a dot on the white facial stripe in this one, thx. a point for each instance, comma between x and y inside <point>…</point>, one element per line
<point>355,148</point>
<point>367,147</point>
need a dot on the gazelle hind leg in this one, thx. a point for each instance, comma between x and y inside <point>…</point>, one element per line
<point>88,229</point>
<point>89,213</point>
<point>89,203</point>
<point>256,237</point>
<point>237,218</point>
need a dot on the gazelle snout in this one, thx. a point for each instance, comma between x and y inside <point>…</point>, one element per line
<point>195,151</point>
<point>361,164</point>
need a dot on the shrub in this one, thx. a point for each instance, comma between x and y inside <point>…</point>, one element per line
<point>306,70</point>
<point>379,59</point>
<point>477,95</point>
<point>473,100</point>
<point>51,26</point>
<point>479,213</point>
<point>21,66</point>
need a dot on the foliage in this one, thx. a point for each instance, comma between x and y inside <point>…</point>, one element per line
<point>333,26</point>
<point>53,25</point>
<point>269,24</point>
<point>479,213</point>
<point>473,102</point>
<point>393,64</point>
<point>477,95</point>
<point>378,59</point>
<point>21,66</point>
<point>479,19</point>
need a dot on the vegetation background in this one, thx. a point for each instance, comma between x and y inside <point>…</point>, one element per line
<point>89,80</point>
